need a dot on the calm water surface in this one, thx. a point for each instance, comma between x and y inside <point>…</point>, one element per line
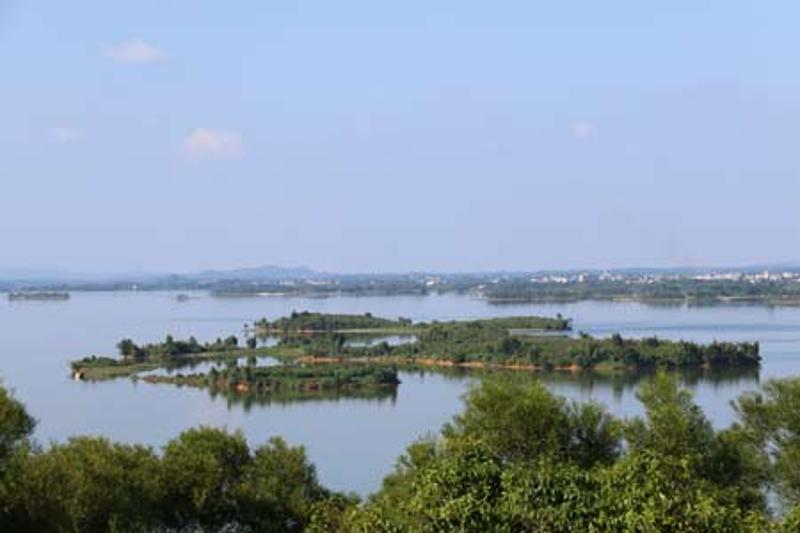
<point>354,443</point>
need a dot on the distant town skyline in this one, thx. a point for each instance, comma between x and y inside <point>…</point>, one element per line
<point>356,136</point>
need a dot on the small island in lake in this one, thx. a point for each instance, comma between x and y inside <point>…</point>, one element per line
<point>327,352</point>
<point>169,353</point>
<point>523,343</point>
<point>38,295</point>
<point>287,379</point>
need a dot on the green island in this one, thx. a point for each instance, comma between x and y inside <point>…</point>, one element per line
<point>307,322</point>
<point>521,343</point>
<point>287,379</point>
<point>169,353</point>
<point>38,295</point>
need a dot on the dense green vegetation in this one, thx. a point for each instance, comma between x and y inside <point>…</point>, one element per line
<point>168,354</point>
<point>295,328</point>
<point>205,480</point>
<point>504,341</point>
<point>521,459</point>
<point>515,342</point>
<point>327,322</point>
<point>308,322</point>
<point>518,458</point>
<point>283,379</point>
<point>171,347</point>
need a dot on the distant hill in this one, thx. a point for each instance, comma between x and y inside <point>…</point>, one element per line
<point>23,274</point>
<point>13,279</point>
<point>265,273</point>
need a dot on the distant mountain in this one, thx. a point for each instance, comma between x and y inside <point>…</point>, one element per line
<point>266,273</point>
<point>31,274</point>
<point>13,278</point>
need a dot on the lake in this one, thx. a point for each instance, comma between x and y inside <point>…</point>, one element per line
<point>353,442</point>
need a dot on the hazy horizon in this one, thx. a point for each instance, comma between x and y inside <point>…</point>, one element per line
<point>88,275</point>
<point>360,137</point>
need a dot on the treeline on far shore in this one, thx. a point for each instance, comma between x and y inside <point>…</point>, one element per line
<point>517,458</point>
<point>665,290</point>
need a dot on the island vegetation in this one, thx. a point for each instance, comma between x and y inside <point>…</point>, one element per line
<point>518,458</point>
<point>172,348</point>
<point>526,343</point>
<point>38,295</point>
<point>136,358</point>
<point>308,322</point>
<point>287,379</point>
<point>522,343</point>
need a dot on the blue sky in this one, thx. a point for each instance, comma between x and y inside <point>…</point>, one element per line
<point>391,136</point>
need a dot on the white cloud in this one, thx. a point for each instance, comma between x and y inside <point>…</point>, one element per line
<point>584,130</point>
<point>61,135</point>
<point>213,144</point>
<point>135,51</point>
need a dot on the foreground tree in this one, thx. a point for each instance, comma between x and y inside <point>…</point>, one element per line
<point>521,420</point>
<point>280,489</point>
<point>771,420</point>
<point>16,426</point>
<point>201,472</point>
<point>520,459</point>
<point>517,459</point>
<point>92,485</point>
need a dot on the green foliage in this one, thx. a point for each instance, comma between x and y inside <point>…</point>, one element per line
<point>651,492</point>
<point>326,322</point>
<point>90,484</point>
<point>532,341</point>
<point>174,348</point>
<point>771,419</point>
<point>283,379</point>
<point>94,361</point>
<point>201,471</point>
<point>457,493</point>
<point>522,420</point>
<point>791,521</point>
<point>15,425</point>
<point>549,496</point>
<point>520,459</point>
<point>280,489</point>
<point>517,459</point>
<point>675,425</point>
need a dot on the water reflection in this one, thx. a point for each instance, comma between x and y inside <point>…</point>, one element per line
<point>713,389</point>
<point>687,376</point>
